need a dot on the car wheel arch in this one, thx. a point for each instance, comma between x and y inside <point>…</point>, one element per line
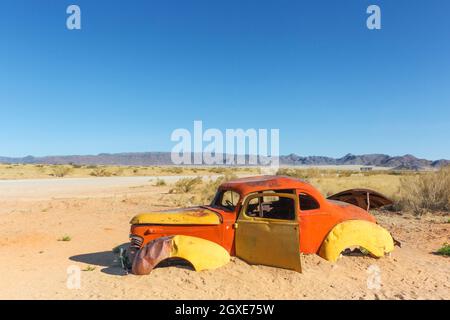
<point>202,254</point>
<point>369,235</point>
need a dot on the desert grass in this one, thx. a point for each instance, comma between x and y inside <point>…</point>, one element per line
<point>419,192</point>
<point>42,171</point>
<point>427,192</point>
<point>331,181</point>
<point>186,185</point>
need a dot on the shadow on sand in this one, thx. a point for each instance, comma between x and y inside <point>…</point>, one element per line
<point>106,259</point>
<point>109,260</point>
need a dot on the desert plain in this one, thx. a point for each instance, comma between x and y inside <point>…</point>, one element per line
<point>50,225</point>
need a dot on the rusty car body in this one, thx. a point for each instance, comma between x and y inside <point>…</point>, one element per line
<point>267,220</point>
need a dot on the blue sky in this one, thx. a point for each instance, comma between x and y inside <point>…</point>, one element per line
<point>140,69</point>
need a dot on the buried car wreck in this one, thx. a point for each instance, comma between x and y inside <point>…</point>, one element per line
<point>267,220</point>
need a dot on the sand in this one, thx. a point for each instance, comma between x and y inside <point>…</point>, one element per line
<point>34,264</point>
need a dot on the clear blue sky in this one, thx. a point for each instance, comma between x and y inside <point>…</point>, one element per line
<point>139,69</point>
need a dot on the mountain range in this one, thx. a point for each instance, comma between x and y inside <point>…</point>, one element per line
<point>405,162</point>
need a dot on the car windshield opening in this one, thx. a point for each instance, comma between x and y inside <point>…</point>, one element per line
<point>227,199</point>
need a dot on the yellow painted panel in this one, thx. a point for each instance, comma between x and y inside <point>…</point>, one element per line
<point>271,242</point>
<point>202,254</point>
<point>368,235</point>
<point>180,216</point>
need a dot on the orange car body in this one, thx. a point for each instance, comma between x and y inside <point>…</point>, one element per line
<point>314,225</point>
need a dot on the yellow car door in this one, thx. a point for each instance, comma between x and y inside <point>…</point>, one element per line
<point>267,231</point>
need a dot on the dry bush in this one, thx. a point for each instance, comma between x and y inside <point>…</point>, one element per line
<point>186,185</point>
<point>60,171</point>
<point>118,172</point>
<point>160,182</point>
<point>100,172</point>
<point>426,192</point>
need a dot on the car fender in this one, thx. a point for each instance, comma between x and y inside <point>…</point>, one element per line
<point>366,234</point>
<point>202,254</point>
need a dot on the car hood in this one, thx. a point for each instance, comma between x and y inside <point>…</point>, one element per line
<point>185,216</point>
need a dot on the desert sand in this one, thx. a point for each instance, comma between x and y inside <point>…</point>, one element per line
<point>95,215</point>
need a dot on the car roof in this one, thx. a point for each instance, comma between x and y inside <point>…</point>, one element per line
<point>270,182</point>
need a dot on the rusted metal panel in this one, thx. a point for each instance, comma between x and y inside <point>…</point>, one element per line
<point>363,198</point>
<point>150,255</point>
<point>186,216</point>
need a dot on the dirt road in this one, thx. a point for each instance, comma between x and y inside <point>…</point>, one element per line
<point>28,189</point>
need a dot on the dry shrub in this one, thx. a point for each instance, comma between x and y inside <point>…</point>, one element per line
<point>160,182</point>
<point>118,172</point>
<point>100,172</point>
<point>60,171</point>
<point>426,192</point>
<point>186,185</point>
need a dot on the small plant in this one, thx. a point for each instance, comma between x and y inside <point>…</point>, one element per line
<point>444,250</point>
<point>65,238</point>
<point>160,182</point>
<point>364,251</point>
<point>88,268</point>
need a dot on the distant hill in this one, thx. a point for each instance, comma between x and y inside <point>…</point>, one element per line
<point>406,162</point>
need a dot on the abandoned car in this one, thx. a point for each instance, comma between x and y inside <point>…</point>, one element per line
<point>266,220</point>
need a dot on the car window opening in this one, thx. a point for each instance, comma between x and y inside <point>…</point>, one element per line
<point>271,207</point>
<point>307,202</point>
<point>227,199</point>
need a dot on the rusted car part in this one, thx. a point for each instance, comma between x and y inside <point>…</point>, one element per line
<point>200,253</point>
<point>150,255</point>
<point>351,233</point>
<point>363,198</point>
